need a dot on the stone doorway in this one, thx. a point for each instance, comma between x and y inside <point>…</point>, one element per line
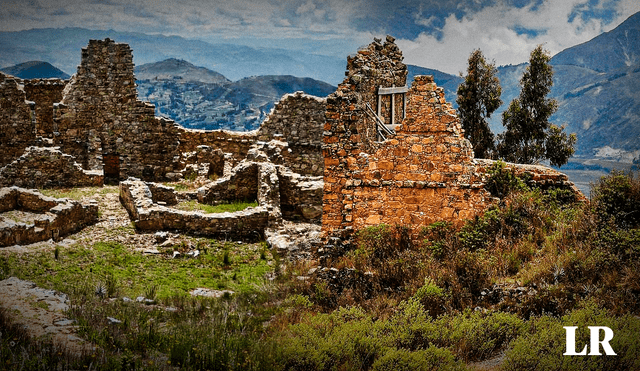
<point>111,169</point>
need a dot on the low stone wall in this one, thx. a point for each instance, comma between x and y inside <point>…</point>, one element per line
<point>137,198</point>
<point>538,176</point>
<point>242,184</point>
<point>163,194</point>
<point>56,217</point>
<point>48,167</point>
<point>300,196</point>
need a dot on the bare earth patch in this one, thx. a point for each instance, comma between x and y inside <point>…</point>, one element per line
<point>42,313</point>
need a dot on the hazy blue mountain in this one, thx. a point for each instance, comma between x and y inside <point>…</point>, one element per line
<point>35,70</point>
<point>61,47</point>
<point>199,98</point>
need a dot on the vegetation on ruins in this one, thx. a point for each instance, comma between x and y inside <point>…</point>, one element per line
<point>529,136</point>
<point>502,285</point>
<point>478,98</point>
<point>194,205</point>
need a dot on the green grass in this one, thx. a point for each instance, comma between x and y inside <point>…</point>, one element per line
<point>134,272</point>
<point>79,193</point>
<point>221,208</point>
<point>199,333</point>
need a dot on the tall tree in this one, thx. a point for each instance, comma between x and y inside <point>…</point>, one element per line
<point>478,98</point>
<point>529,136</point>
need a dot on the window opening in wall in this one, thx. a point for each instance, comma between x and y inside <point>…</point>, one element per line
<point>385,115</point>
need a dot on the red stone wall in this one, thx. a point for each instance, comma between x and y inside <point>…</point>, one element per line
<point>423,174</point>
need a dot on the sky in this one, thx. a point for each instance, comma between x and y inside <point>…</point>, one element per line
<point>437,34</point>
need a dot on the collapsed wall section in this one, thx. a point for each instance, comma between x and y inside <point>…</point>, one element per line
<point>48,167</point>
<point>298,119</point>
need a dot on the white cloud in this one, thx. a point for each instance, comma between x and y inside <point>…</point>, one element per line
<point>493,30</point>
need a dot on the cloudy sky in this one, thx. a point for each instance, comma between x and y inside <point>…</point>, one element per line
<point>437,34</point>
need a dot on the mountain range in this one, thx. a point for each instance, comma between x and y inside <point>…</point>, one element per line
<point>595,83</point>
<point>61,47</point>
<point>196,97</point>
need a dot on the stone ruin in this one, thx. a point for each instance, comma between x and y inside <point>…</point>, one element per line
<point>93,129</point>
<point>27,216</point>
<point>375,151</point>
<point>397,155</point>
<point>96,118</point>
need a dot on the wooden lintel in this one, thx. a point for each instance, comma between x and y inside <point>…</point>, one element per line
<point>393,90</point>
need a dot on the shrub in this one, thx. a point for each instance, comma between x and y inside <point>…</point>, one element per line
<point>542,347</point>
<point>438,238</point>
<point>388,252</point>
<point>502,182</point>
<point>429,359</point>
<point>478,335</point>
<point>617,197</point>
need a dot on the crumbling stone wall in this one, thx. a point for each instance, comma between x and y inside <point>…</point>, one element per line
<point>97,118</point>
<point>53,218</point>
<point>17,120</point>
<point>298,119</point>
<point>235,144</point>
<point>44,93</point>
<point>48,167</point>
<point>422,174</point>
<point>101,121</point>
<point>537,176</point>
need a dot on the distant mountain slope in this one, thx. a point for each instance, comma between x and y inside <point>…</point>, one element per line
<point>616,49</point>
<point>35,70</point>
<point>178,69</point>
<point>62,48</point>
<point>199,98</point>
<point>596,85</point>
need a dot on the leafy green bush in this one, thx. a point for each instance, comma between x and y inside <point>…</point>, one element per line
<point>429,359</point>
<point>617,197</point>
<point>502,182</point>
<point>542,347</point>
